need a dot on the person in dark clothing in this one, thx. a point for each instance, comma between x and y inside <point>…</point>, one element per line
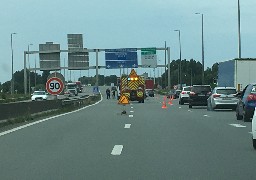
<point>108,93</point>
<point>113,94</point>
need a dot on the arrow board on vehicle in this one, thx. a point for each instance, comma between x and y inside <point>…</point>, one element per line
<point>123,100</point>
<point>133,73</point>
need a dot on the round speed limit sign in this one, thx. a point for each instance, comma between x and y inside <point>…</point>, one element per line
<point>54,86</point>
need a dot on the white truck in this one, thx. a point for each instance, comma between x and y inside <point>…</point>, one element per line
<point>72,88</point>
<point>237,73</point>
<point>254,130</point>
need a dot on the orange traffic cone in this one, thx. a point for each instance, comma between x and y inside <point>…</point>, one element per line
<point>170,101</point>
<point>164,105</point>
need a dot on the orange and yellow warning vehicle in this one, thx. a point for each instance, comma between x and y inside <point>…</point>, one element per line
<point>133,87</point>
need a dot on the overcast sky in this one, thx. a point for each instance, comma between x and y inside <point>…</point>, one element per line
<point>126,24</point>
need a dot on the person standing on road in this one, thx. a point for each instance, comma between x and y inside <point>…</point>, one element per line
<point>108,93</point>
<point>113,94</point>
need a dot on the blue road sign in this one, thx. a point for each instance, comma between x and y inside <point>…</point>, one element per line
<point>95,90</point>
<point>121,58</point>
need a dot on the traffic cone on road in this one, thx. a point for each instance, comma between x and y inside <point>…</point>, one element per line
<point>170,101</point>
<point>164,103</point>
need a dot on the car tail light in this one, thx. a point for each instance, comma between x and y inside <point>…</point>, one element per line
<point>216,95</point>
<point>251,97</point>
<point>183,92</point>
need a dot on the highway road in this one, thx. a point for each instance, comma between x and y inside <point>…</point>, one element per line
<point>148,142</point>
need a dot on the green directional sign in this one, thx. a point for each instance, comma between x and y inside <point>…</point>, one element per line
<point>148,57</point>
<point>146,51</point>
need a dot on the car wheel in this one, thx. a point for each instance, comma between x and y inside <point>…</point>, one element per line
<point>246,116</point>
<point>254,143</point>
<point>181,102</point>
<point>190,106</point>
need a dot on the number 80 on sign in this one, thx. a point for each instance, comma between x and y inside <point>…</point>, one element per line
<point>54,86</point>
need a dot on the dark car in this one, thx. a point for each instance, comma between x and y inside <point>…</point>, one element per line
<point>173,93</point>
<point>246,103</point>
<point>177,93</point>
<point>150,92</point>
<point>198,95</point>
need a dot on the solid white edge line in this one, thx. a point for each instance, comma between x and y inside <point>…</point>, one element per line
<point>237,125</point>
<point>47,119</point>
<point>117,150</point>
<point>127,126</point>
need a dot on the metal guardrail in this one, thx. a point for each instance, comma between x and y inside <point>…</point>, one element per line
<point>14,110</point>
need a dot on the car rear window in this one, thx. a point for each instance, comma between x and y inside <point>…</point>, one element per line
<point>199,89</point>
<point>226,91</point>
<point>39,93</point>
<point>187,89</point>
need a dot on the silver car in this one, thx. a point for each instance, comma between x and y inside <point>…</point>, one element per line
<point>39,95</point>
<point>222,98</point>
<point>184,95</point>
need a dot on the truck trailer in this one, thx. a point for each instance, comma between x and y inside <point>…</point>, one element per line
<point>237,73</point>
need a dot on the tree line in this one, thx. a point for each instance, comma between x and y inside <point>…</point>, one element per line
<point>191,73</point>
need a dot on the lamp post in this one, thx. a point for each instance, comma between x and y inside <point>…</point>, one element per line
<point>239,31</point>
<point>180,60</point>
<point>29,80</point>
<point>35,72</point>
<point>202,15</point>
<point>12,80</point>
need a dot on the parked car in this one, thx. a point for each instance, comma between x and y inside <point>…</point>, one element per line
<point>198,95</point>
<point>254,131</point>
<point>184,95</point>
<point>150,92</point>
<point>39,95</point>
<point>222,97</point>
<point>246,103</point>
<point>177,94</point>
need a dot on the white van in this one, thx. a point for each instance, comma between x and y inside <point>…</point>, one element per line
<point>254,130</point>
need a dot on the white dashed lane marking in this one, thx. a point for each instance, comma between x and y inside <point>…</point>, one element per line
<point>130,115</point>
<point>131,111</point>
<point>127,126</point>
<point>237,125</point>
<point>117,150</point>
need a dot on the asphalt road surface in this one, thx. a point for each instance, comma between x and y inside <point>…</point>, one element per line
<point>148,142</point>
